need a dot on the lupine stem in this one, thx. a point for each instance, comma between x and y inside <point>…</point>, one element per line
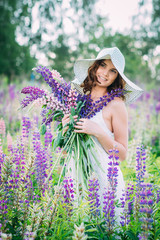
<point>49,175</point>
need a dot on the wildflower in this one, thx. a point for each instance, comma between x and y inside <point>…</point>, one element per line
<point>158,195</point>
<point>62,100</point>
<point>68,191</point>
<point>6,236</point>
<point>140,172</point>
<point>2,127</point>
<point>11,91</point>
<point>48,138</point>
<point>93,197</point>
<point>9,141</point>
<point>79,233</point>
<point>146,203</point>
<point>1,161</point>
<point>72,99</point>
<point>91,108</point>
<point>26,126</point>
<point>127,204</point>
<point>158,107</point>
<point>33,94</point>
<point>141,165</point>
<point>56,75</point>
<point>40,162</point>
<point>110,193</point>
<point>59,90</point>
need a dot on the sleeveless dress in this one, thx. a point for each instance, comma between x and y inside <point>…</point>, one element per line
<point>101,172</point>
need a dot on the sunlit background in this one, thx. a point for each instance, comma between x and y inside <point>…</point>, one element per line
<point>56,33</point>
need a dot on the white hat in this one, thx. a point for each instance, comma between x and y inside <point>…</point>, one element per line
<point>117,58</point>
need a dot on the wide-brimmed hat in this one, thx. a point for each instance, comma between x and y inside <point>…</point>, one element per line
<point>117,58</point>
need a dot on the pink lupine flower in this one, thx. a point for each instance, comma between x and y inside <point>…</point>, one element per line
<point>1,151</point>
<point>2,127</point>
<point>9,141</point>
<point>72,99</point>
<point>56,75</point>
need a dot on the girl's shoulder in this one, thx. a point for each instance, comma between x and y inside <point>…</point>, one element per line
<point>116,105</point>
<point>117,102</point>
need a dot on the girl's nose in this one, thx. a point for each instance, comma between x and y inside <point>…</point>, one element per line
<point>106,72</point>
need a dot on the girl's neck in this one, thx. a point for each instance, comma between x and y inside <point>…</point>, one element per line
<point>96,93</point>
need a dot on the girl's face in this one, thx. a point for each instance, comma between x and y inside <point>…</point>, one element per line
<point>106,73</point>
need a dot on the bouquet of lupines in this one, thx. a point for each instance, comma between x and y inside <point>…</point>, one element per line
<point>64,99</point>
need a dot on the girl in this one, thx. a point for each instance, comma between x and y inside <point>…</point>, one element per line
<point>109,126</point>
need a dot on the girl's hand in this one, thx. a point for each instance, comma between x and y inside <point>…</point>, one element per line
<point>86,126</point>
<point>66,120</point>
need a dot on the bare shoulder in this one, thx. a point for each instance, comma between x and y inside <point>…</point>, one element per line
<point>117,104</point>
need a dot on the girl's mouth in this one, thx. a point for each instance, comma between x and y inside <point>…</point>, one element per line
<point>102,78</point>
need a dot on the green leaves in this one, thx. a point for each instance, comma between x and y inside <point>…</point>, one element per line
<point>58,141</point>
<point>43,129</point>
<point>131,235</point>
<point>58,114</point>
<point>79,106</point>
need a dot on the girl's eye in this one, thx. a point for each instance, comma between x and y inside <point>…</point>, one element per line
<point>114,71</point>
<point>102,64</point>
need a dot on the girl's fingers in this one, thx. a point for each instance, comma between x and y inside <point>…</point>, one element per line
<point>66,116</point>
<point>77,126</point>
<point>66,119</point>
<point>78,131</point>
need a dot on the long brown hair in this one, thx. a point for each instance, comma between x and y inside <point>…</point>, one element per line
<point>91,79</point>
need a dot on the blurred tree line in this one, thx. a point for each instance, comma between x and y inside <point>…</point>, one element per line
<point>67,30</point>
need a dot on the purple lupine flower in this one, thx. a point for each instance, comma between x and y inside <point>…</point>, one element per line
<point>93,197</point>
<point>2,97</point>
<point>58,89</point>
<point>91,108</point>
<point>141,164</point>
<point>147,96</point>
<point>64,98</point>
<point>26,126</point>
<point>140,172</point>
<point>1,162</point>
<point>110,193</point>
<point>68,191</point>
<point>67,194</point>
<point>11,91</point>
<point>28,235</point>
<point>51,105</point>
<point>12,183</point>
<point>40,163</point>
<point>33,94</point>
<point>158,195</point>
<point>48,138</point>
<point>127,202</point>
<point>158,107</point>
<point>18,159</point>
<point>146,210</point>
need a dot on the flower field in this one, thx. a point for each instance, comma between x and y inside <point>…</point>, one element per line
<point>35,205</point>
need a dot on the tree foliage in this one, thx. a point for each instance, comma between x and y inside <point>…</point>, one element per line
<point>14,58</point>
<point>148,33</point>
<point>63,31</point>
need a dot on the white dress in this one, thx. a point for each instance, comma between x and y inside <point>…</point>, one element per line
<point>101,172</point>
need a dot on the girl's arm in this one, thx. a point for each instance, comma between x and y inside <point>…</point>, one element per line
<point>120,128</point>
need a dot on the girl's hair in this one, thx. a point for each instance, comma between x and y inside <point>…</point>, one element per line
<point>91,79</point>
